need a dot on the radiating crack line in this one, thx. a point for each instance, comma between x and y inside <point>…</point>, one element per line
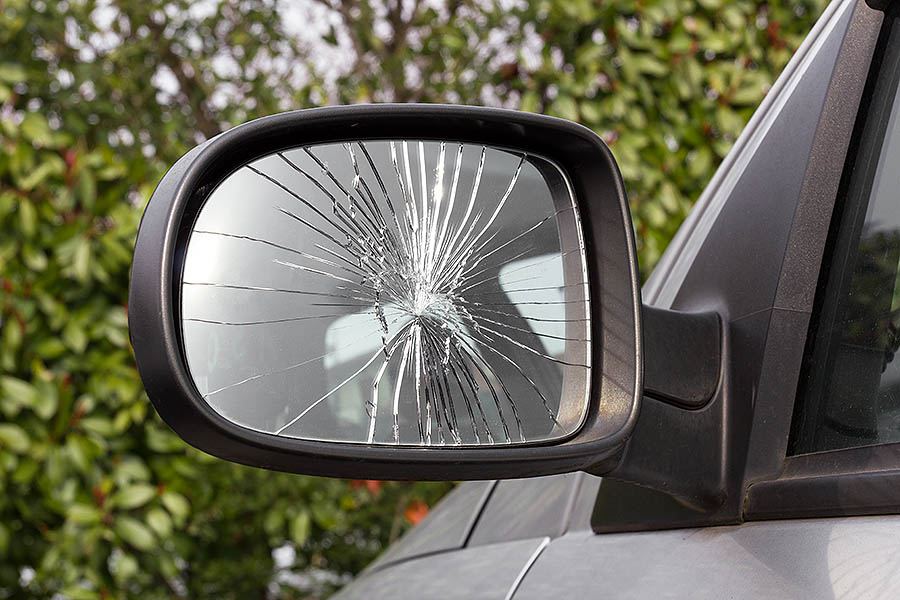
<point>450,203</point>
<point>517,269</point>
<point>516,366</point>
<point>463,289</point>
<point>488,381</point>
<point>482,328</point>
<point>530,332</point>
<point>471,204</point>
<point>384,192</point>
<point>401,375</point>
<point>418,370</point>
<point>433,353</point>
<point>339,386</point>
<point>373,415</point>
<point>266,321</point>
<point>312,207</point>
<point>283,370</point>
<point>475,355</point>
<point>349,269</point>
<point>473,386</point>
<point>306,269</point>
<point>342,213</point>
<point>351,200</point>
<point>437,197</point>
<point>528,318</point>
<point>500,205</point>
<point>255,288</point>
<point>545,288</point>
<point>507,243</point>
<point>372,234</point>
<point>369,199</point>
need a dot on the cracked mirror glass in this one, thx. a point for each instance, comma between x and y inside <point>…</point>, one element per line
<point>400,292</point>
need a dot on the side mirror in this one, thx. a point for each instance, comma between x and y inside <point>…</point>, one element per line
<point>394,292</point>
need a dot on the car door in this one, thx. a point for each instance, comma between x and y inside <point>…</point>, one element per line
<point>824,522</point>
<point>480,539</point>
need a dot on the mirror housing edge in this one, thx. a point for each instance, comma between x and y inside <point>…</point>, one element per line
<point>616,388</point>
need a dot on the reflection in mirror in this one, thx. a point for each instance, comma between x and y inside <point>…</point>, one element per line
<point>407,292</point>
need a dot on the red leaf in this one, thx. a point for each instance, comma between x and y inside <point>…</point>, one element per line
<point>373,485</point>
<point>415,511</point>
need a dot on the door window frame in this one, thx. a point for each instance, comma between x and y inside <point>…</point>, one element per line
<point>859,480</point>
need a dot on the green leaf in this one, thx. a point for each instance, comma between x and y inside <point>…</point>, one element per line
<point>47,401</point>
<point>76,592</point>
<point>125,566</point>
<point>530,102</point>
<point>163,441</point>
<point>131,469</point>
<point>79,452</point>
<point>274,522</point>
<point>134,532</point>
<point>11,72</point>
<point>75,337</point>
<point>35,259</point>
<point>36,129</point>
<point>4,539</point>
<point>14,437</point>
<point>176,504</point>
<point>27,216</point>
<point>26,471</point>
<point>84,514</point>
<point>133,496</point>
<point>20,392</point>
<point>300,527</point>
<point>87,189</point>
<point>102,426</point>
<point>50,348</point>
<point>160,521</point>
<point>565,107</point>
<point>748,95</point>
<point>648,65</point>
<point>81,263</point>
<point>701,162</point>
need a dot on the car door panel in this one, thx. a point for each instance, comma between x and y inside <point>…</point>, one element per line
<point>446,527</point>
<point>479,573</point>
<point>820,559</point>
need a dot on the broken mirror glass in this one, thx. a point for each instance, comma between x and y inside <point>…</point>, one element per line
<point>420,293</point>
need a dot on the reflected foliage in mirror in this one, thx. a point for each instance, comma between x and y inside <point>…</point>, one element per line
<point>408,292</point>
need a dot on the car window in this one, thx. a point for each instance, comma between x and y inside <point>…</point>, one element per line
<point>850,394</point>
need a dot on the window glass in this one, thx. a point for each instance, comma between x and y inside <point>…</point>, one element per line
<point>852,383</point>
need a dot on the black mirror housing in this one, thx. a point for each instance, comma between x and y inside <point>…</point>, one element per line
<point>615,390</point>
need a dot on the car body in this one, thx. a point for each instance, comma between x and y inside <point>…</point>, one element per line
<point>810,453</point>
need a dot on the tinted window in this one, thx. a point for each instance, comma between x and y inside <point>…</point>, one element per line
<point>852,386</point>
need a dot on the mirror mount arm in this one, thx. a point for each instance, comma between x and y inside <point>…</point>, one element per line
<point>678,445</point>
<point>683,353</point>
